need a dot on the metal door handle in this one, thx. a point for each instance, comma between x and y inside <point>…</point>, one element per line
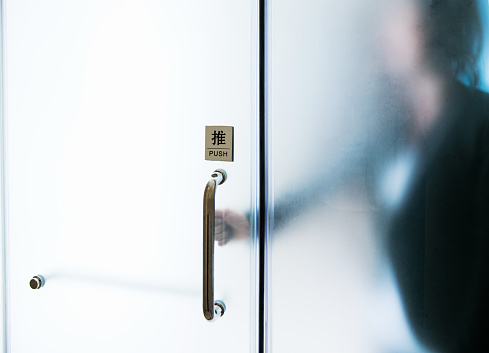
<point>212,309</point>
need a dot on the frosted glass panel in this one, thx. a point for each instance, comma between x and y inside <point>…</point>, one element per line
<point>106,108</point>
<point>379,177</point>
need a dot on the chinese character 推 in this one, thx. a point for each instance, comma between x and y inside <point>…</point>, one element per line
<point>218,137</point>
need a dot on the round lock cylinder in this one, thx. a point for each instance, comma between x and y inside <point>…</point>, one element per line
<point>37,282</point>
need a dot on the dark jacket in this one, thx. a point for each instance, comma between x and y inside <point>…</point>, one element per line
<point>438,240</point>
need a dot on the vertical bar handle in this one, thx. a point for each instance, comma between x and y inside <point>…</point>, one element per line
<point>212,309</point>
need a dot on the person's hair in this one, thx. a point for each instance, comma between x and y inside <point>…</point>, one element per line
<point>454,36</point>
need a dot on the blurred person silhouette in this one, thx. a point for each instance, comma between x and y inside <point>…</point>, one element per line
<point>430,183</point>
<point>436,189</point>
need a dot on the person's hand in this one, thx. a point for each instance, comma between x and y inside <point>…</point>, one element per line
<point>230,225</point>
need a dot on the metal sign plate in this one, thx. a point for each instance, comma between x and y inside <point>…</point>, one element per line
<point>219,143</point>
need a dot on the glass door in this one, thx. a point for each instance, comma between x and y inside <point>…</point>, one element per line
<point>379,176</point>
<point>376,164</point>
<point>106,104</point>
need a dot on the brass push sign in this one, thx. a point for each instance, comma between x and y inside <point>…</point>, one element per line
<point>219,143</point>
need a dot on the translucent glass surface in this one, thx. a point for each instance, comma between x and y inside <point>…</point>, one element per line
<point>379,175</point>
<point>106,104</point>
<point>2,193</point>
<point>484,61</point>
